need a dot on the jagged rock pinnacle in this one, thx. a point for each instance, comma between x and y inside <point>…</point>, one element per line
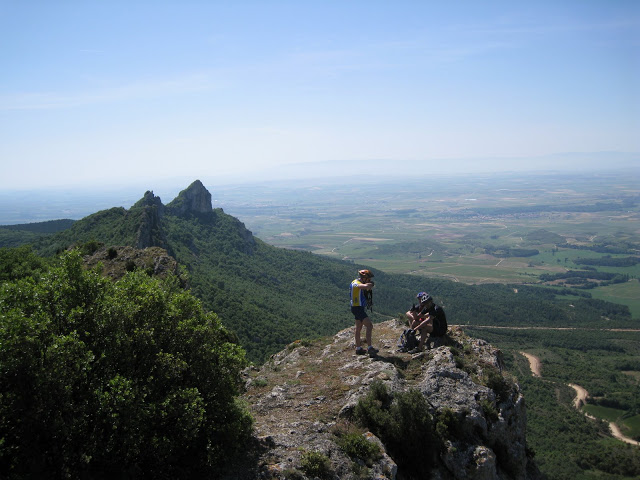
<point>150,200</point>
<point>194,199</point>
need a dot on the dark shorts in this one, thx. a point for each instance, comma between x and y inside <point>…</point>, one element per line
<point>359,313</point>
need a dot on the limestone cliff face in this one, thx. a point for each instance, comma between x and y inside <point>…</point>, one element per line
<point>194,199</point>
<point>150,232</point>
<point>302,394</point>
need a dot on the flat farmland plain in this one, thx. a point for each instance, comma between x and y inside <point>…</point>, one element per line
<point>475,229</point>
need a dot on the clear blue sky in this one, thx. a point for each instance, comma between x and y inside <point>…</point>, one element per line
<point>103,91</point>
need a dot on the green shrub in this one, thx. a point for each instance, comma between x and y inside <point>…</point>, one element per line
<point>129,378</point>
<point>447,424</point>
<point>403,424</point>
<point>315,464</point>
<point>489,409</point>
<point>357,446</point>
<point>19,262</point>
<point>493,379</point>
<point>90,247</point>
<point>462,362</point>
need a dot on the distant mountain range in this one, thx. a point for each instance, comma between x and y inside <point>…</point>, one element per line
<point>381,167</point>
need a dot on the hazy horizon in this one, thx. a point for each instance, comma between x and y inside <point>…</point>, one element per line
<point>31,205</point>
<point>99,93</point>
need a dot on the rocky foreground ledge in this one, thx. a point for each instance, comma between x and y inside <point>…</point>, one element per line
<point>302,394</point>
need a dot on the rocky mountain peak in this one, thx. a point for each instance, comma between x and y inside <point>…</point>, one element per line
<point>150,200</point>
<point>304,394</point>
<point>194,199</point>
<point>151,211</point>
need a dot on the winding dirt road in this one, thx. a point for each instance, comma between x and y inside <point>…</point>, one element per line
<point>534,364</point>
<point>581,398</point>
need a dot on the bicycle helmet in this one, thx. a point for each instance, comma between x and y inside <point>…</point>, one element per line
<point>424,297</point>
<point>365,273</point>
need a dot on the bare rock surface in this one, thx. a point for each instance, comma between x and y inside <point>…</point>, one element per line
<point>305,394</point>
<point>116,261</point>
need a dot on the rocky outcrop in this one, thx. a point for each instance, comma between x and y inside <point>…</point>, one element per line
<point>116,261</point>
<point>150,232</point>
<point>194,199</point>
<point>307,393</point>
<point>491,423</point>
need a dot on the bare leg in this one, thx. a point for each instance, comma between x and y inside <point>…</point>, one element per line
<point>358,329</point>
<point>411,318</point>
<point>369,327</point>
<point>428,328</point>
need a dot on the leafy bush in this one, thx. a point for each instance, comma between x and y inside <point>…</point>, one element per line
<point>316,464</point>
<point>19,262</point>
<point>447,424</point>
<point>489,409</point>
<point>493,379</point>
<point>404,425</point>
<point>90,247</point>
<point>130,378</point>
<point>353,443</point>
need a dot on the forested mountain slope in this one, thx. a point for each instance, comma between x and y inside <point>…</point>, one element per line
<point>271,296</point>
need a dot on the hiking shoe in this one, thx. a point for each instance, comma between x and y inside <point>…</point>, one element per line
<point>360,351</point>
<point>372,351</point>
<point>416,350</point>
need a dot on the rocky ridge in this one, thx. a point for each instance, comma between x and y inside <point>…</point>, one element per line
<point>116,261</point>
<point>305,394</point>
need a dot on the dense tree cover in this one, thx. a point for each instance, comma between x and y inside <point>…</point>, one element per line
<point>566,443</point>
<point>14,238</point>
<point>115,226</point>
<point>506,252</point>
<point>609,261</point>
<point>19,262</point>
<point>584,278</point>
<point>101,379</point>
<point>268,296</point>
<point>571,274</point>
<point>16,235</point>
<point>539,208</point>
<point>418,247</point>
<point>50,226</point>
<point>544,236</point>
<point>612,247</point>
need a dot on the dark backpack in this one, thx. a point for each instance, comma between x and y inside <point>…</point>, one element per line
<point>439,323</point>
<point>408,340</point>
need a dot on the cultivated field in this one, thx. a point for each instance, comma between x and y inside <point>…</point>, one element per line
<point>507,229</point>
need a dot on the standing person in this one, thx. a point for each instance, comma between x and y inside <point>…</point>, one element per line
<point>359,288</point>
<point>427,318</point>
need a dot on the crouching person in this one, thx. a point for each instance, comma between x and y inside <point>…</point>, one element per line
<point>427,318</point>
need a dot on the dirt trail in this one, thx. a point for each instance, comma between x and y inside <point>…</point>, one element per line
<point>581,398</point>
<point>581,395</point>
<point>618,434</point>
<point>534,363</point>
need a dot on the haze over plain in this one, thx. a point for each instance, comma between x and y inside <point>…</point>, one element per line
<point>111,93</point>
